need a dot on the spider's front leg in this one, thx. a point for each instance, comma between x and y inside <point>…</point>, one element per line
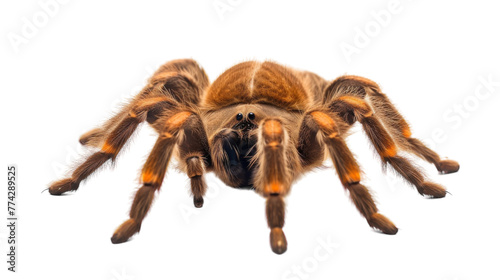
<point>154,169</point>
<point>195,157</point>
<point>273,177</point>
<point>321,128</point>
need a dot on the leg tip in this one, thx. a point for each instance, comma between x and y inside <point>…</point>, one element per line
<point>198,202</point>
<point>83,141</point>
<point>90,138</point>
<point>433,190</point>
<point>278,241</point>
<point>448,166</point>
<point>380,222</point>
<point>62,186</point>
<point>125,231</point>
<point>115,239</point>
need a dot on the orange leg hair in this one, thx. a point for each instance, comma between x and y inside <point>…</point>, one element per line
<point>152,175</point>
<point>348,169</point>
<point>114,142</point>
<point>195,157</point>
<point>402,134</point>
<point>273,179</point>
<point>386,147</point>
<point>390,117</point>
<point>183,80</point>
<point>176,83</point>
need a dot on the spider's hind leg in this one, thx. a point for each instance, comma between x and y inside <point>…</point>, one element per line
<point>389,116</point>
<point>112,145</point>
<point>176,83</point>
<point>385,145</point>
<point>183,80</point>
<point>400,130</point>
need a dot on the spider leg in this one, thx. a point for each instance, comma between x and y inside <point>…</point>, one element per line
<point>389,116</point>
<point>96,137</point>
<point>112,145</point>
<point>273,178</point>
<point>385,145</point>
<point>183,80</point>
<point>330,128</point>
<point>153,173</point>
<point>176,83</point>
<point>225,156</point>
<point>195,157</point>
<point>400,130</point>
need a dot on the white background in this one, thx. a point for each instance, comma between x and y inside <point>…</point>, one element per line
<point>75,69</point>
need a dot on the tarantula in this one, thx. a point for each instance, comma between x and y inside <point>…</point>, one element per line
<point>259,126</point>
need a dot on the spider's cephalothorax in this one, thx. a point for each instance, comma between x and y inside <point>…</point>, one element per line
<point>259,126</point>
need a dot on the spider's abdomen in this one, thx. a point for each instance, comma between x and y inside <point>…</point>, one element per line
<point>257,82</point>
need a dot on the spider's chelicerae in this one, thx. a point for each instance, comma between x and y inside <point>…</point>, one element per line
<point>260,126</point>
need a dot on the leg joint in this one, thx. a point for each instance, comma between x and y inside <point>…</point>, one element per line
<point>194,167</point>
<point>143,106</point>
<point>351,183</point>
<point>273,133</point>
<point>149,185</point>
<point>326,123</point>
<point>174,123</point>
<point>353,105</point>
<point>275,211</point>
